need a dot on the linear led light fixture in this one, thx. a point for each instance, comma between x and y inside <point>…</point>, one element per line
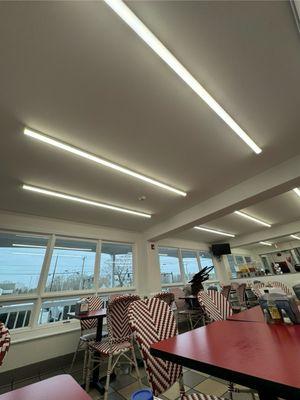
<point>266,243</point>
<point>55,247</point>
<point>201,228</point>
<point>156,45</point>
<point>297,191</point>
<point>84,201</point>
<point>81,153</point>
<point>258,221</point>
<point>295,237</point>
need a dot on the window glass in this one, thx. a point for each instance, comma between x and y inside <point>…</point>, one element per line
<point>72,266</point>
<point>239,260</point>
<point>16,315</point>
<point>169,265</point>
<point>56,310</point>
<point>21,260</point>
<point>206,261</point>
<point>190,263</point>
<point>116,265</point>
<point>232,265</point>
<point>248,259</point>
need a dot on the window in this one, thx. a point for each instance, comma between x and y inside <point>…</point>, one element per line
<point>16,315</point>
<point>116,265</point>
<point>72,266</point>
<point>206,261</point>
<point>56,310</point>
<point>239,260</point>
<point>232,265</point>
<point>21,261</point>
<point>190,263</point>
<point>169,265</point>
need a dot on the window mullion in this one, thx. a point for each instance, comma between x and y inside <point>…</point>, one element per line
<point>182,272</point>
<point>42,281</point>
<point>198,260</point>
<point>97,266</point>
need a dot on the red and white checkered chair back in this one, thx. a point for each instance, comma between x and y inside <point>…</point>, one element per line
<point>226,291</point>
<point>167,297</point>
<point>4,341</point>
<point>152,320</point>
<point>215,305</point>
<point>117,318</point>
<point>95,303</point>
<point>256,289</point>
<point>282,286</point>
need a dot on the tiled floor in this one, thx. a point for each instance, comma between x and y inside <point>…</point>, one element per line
<point>124,385</point>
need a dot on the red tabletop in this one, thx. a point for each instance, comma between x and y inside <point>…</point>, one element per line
<point>90,315</point>
<point>60,387</point>
<point>260,356</point>
<point>252,315</point>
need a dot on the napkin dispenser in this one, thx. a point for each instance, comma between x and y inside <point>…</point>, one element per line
<point>81,307</point>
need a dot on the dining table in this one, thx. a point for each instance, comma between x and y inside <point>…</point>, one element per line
<point>253,314</point>
<point>60,387</point>
<point>99,315</point>
<point>257,355</point>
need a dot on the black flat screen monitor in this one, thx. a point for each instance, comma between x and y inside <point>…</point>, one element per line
<point>220,249</point>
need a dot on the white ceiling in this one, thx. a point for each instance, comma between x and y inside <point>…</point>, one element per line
<point>75,71</point>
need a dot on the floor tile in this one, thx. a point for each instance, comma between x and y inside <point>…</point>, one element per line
<point>122,381</point>
<point>174,391</point>
<point>210,386</point>
<point>239,396</point>
<point>50,374</point>
<point>115,396</point>
<point>5,389</point>
<point>192,379</point>
<point>25,382</point>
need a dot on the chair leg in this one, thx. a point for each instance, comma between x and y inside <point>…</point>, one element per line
<point>74,357</point>
<point>109,371</point>
<point>88,371</point>
<point>181,387</point>
<point>230,390</point>
<point>85,363</point>
<point>136,367</point>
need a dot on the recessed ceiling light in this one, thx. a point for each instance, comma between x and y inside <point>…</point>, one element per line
<point>258,221</point>
<point>297,191</point>
<point>266,243</point>
<point>84,201</point>
<point>295,237</point>
<point>81,153</point>
<point>201,228</point>
<point>156,45</point>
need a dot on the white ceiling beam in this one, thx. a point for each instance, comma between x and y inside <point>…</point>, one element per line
<point>277,231</point>
<point>270,183</point>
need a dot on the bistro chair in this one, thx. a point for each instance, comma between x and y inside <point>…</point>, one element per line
<point>216,306</point>
<point>4,341</point>
<point>167,297</point>
<point>218,309</point>
<point>226,289</point>
<point>282,286</point>
<point>151,321</point>
<point>241,298</point>
<point>118,343</point>
<point>88,331</point>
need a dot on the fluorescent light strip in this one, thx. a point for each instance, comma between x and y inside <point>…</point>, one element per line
<point>84,201</point>
<point>266,243</point>
<point>200,228</point>
<point>295,237</point>
<point>258,221</point>
<point>156,45</point>
<point>56,247</point>
<point>71,149</point>
<point>297,191</point>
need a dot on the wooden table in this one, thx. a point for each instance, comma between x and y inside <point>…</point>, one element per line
<point>60,387</point>
<point>254,314</point>
<point>99,314</point>
<point>260,356</point>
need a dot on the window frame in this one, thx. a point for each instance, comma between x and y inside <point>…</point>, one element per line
<point>40,295</point>
<point>183,281</point>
